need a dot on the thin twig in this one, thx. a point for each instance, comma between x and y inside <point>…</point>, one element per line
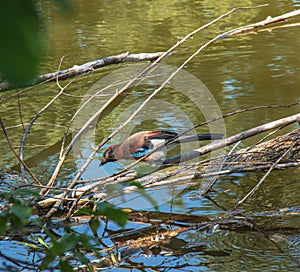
<point>31,124</point>
<point>16,155</point>
<point>20,112</point>
<point>207,185</point>
<point>267,21</point>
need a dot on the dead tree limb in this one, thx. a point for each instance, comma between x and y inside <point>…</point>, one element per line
<point>232,139</point>
<point>267,21</point>
<point>270,151</point>
<point>260,157</point>
<point>87,67</point>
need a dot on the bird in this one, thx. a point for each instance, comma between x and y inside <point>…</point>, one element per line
<point>144,142</point>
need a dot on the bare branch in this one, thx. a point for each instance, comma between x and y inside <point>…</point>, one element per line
<point>267,21</point>
<point>233,139</point>
<point>16,155</point>
<point>34,119</point>
<point>86,68</point>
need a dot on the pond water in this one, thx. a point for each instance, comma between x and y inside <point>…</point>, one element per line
<point>261,68</point>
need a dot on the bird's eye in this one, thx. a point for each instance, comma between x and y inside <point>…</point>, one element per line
<point>110,154</point>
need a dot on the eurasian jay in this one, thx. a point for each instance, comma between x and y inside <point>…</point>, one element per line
<point>144,142</point>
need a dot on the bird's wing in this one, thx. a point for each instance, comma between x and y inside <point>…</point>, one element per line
<point>144,142</point>
<point>163,134</point>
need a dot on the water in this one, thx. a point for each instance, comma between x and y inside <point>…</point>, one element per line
<point>240,72</point>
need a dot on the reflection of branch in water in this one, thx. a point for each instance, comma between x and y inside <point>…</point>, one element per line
<point>128,243</point>
<point>256,187</point>
<point>24,165</point>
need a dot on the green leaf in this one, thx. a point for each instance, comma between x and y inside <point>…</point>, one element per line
<point>137,184</point>
<point>65,243</point>
<point>112,213</point>
<point>33,246</point>
<point>49,258</point>
<point>3,225</point>
<point>21,44</point>
<point>95,224</point>
<point>81,257</point>
<point>65,266</point>
<point>25,192</point>
<point>84,211</point>
<point>42,242</point>
<point>21,212</point>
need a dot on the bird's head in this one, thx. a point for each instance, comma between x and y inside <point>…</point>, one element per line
<point>108,155</point>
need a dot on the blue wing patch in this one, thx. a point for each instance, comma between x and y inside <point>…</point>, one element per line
<point>140,152</point>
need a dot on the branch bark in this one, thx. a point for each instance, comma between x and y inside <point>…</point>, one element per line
<point>267,21</point>
<point>232,139</point>
<point>86,68</point>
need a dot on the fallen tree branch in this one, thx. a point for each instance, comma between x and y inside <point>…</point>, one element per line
<point>79,192</point>
<point>86,68</point>
<point>267,21</point>
<point>257,158</point>
<point>232,139</point>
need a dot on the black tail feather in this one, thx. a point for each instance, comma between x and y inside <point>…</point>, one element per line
<point>198,137</point>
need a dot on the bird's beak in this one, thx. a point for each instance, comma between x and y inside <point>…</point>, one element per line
<point>103,162</point>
